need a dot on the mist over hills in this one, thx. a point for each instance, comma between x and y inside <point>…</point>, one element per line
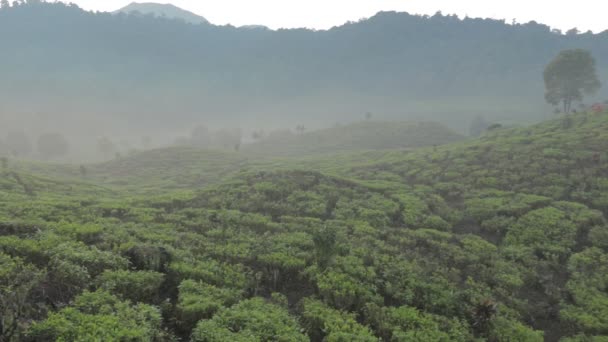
<point>170,181</point>
<point>92,74</point>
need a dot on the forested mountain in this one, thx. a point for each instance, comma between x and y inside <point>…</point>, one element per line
<point>162,10</point>
<point>500,238</point>
<point>64,68</point>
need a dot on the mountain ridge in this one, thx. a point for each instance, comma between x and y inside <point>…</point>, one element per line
<point>123,74</point>
<point>167,10</point>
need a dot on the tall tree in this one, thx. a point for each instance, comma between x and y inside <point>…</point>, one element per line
<point>569,77</point>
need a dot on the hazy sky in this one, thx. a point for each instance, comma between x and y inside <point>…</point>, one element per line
<point>562,14</point>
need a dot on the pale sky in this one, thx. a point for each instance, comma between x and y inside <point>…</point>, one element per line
<point>322,14</point>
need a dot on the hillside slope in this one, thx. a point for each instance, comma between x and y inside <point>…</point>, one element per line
<point>502,238</point>
<point>355,137</point>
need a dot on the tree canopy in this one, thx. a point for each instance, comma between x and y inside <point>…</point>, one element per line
<point>570,76</point>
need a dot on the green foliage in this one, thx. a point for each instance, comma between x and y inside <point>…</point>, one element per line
<point>250,320</point>
<point>139,286</point>
<point>408,324</point>
<point>502,238</point>
<point>570,75</point>
<point>587,288</point>
<point>325,240</point>
<point>19,285</point>
<point>505,330</point>
<point>99,316</point>
<point>322,323</point>
<point>546,232</point>
<point>198,301</point>
<point>94,260</point>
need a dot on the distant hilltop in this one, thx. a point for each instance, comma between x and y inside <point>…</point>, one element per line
<point>163,10</point>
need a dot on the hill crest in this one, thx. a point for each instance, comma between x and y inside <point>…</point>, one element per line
<point>163,10</point>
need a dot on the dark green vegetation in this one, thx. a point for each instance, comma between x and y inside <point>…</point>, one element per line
<point>67,70</point>
<point>500,238</point>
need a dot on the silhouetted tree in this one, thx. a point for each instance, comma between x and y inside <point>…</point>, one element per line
<point>4,4</point>
<point>494,126</point>
<point>569,76</point>
<point>572,32</point>
<point>83,171</point>
<point>4,161</point>
<point>53,145</point>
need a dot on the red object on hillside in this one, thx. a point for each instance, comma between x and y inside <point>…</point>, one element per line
<point>598,108</point>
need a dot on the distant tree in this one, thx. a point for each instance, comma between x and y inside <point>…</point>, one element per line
<point>478,125</point>
<point>4,161</point>
<point>494,126</point>
<point>53,145</point>
<point>4,4</point>
<point>83,171</point>
<point>368,116</point>
<point>106,147</point>
<point>258,135</point>
<point>300,129</point>
<point>18,143</point>
<point>569,77</point>
<point>572,32</point>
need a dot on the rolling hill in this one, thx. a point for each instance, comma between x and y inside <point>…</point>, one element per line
<point>500,238</point>
<point>372,135</point>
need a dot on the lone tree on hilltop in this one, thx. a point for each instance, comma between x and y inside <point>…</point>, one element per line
<point>569,77</point>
